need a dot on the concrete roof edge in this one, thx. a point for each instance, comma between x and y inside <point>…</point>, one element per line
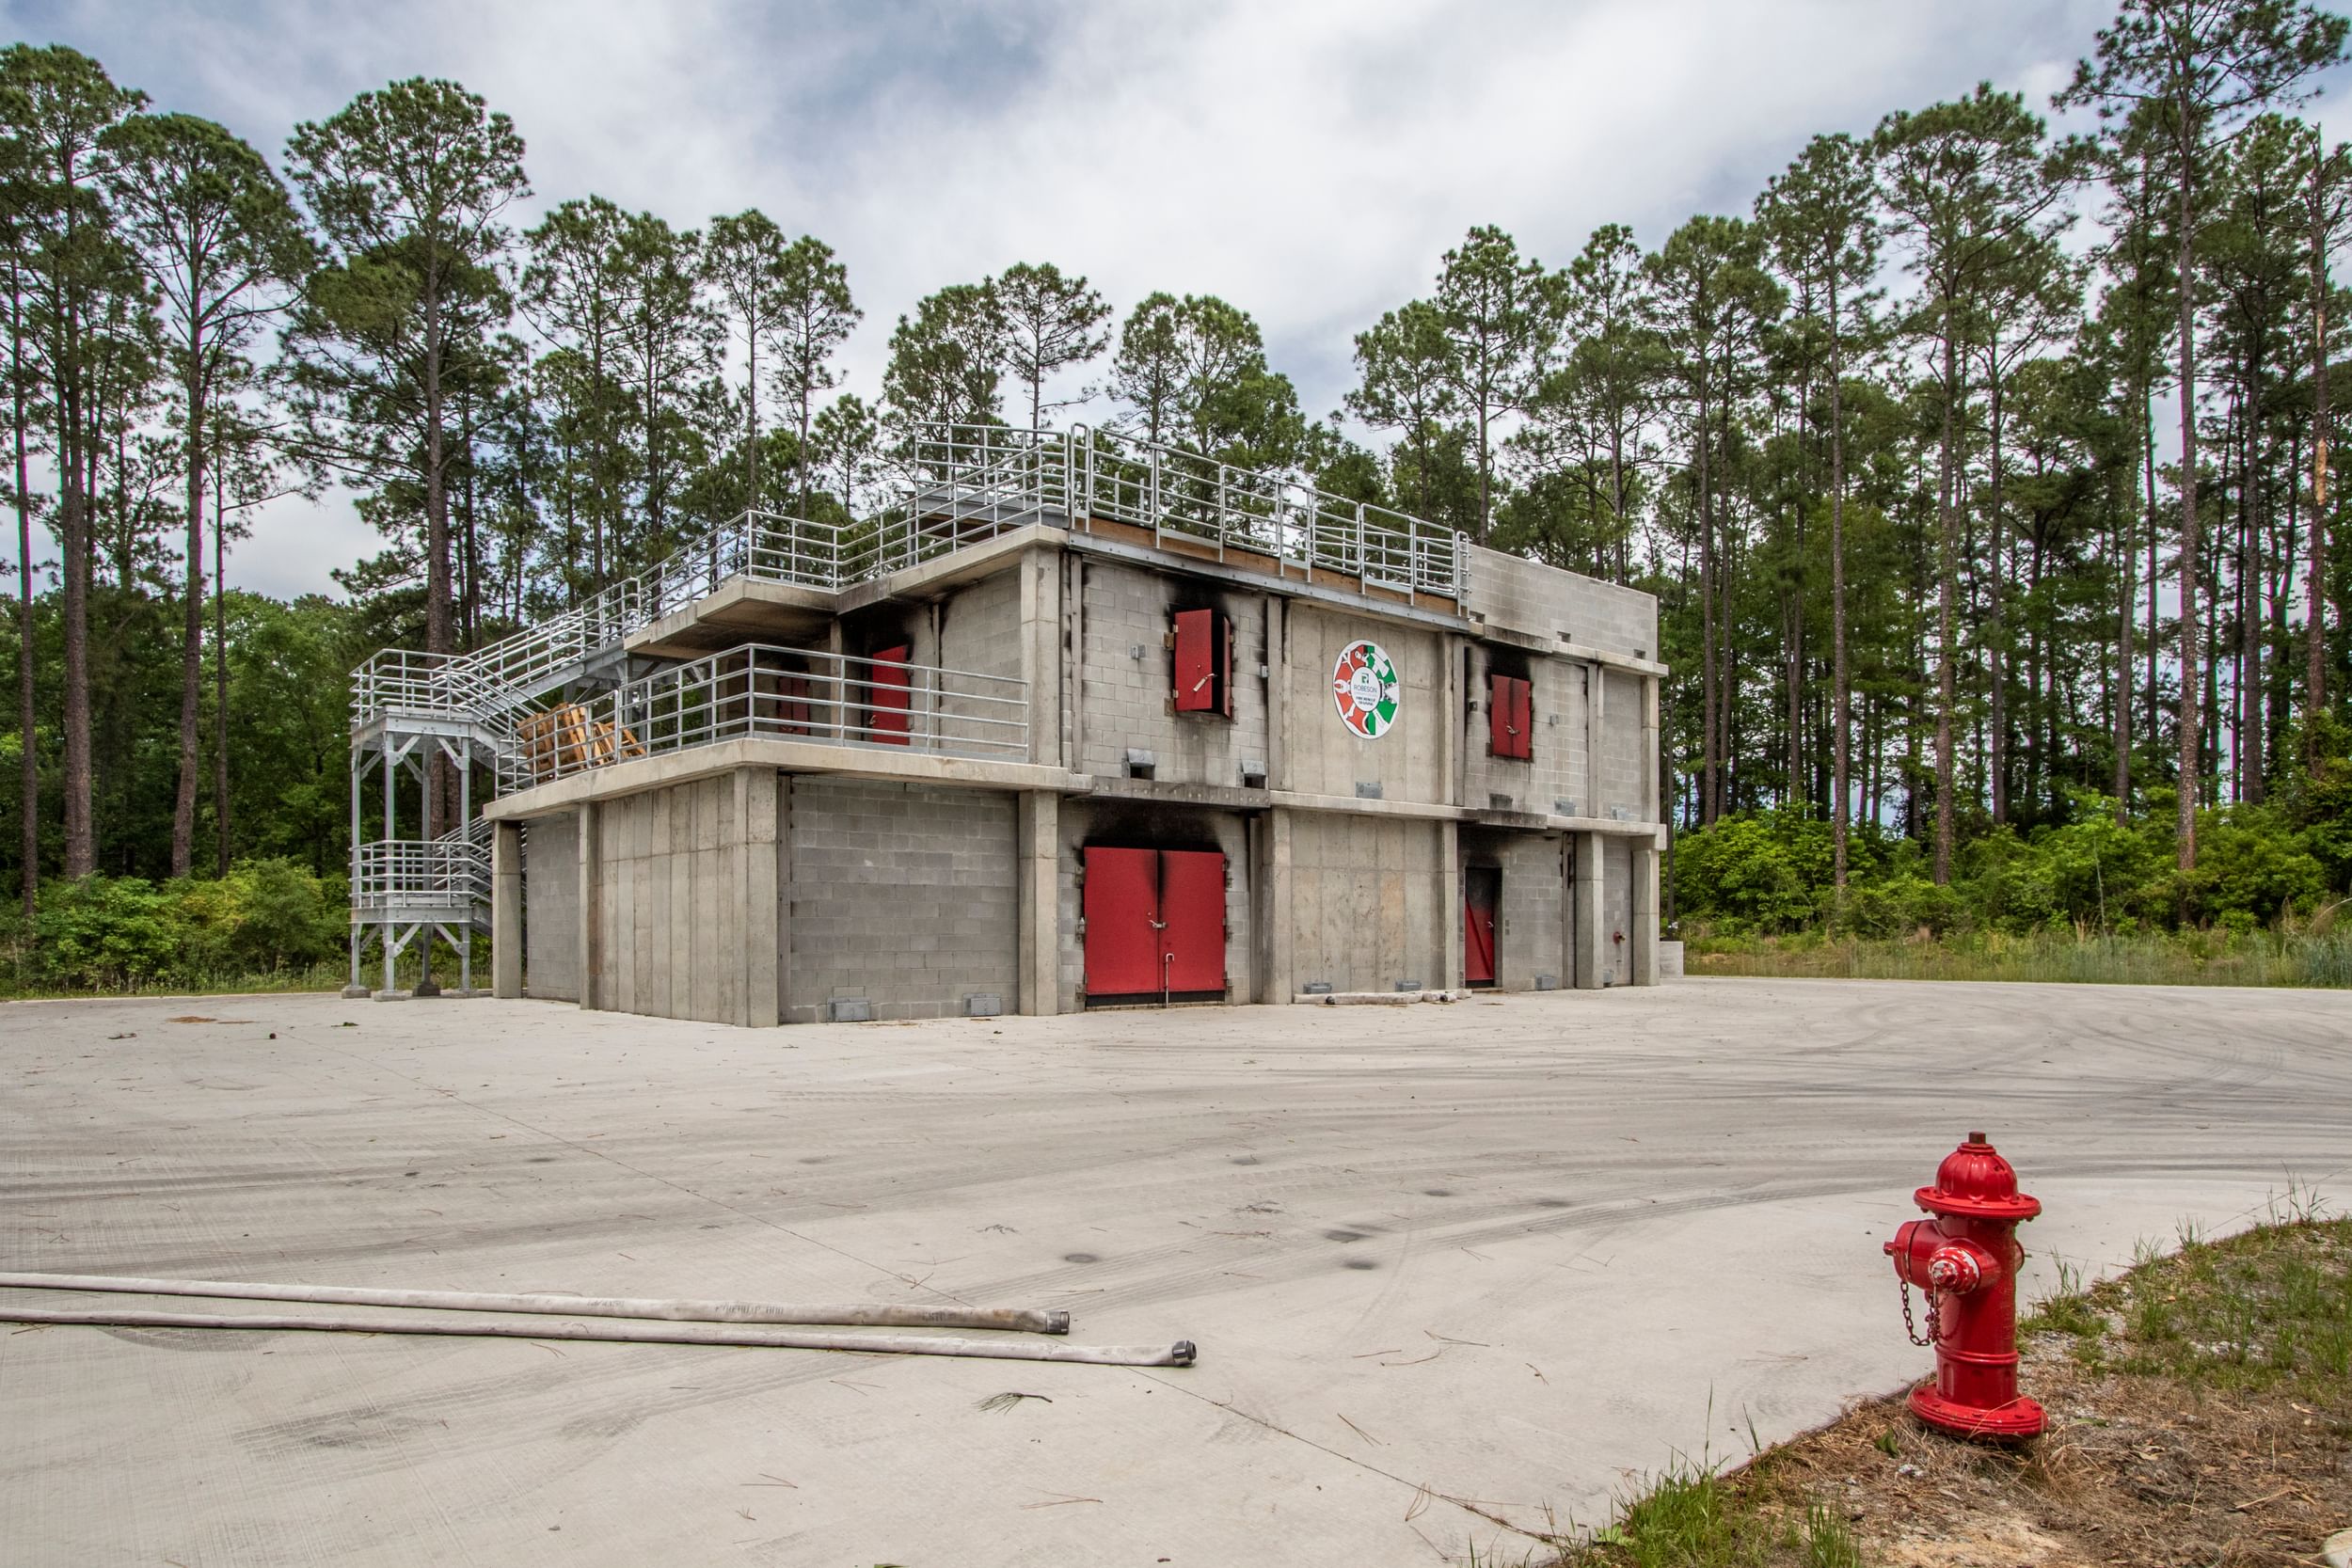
<point>636,776</point>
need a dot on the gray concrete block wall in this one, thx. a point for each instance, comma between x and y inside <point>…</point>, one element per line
<point>1623,776</point>
<point>1321,755</point>
<point>1543,601</point>
<point>1178,827</point>
<point>1366,904</point>
<point>901,894</point>
<point>671,934</point>
<point>981,633</point>
<point>551,909</point>
<point>1531,930</point>
<point>1558,771</point>
<point>1126,700</point>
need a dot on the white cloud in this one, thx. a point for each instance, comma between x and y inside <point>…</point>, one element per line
<point>1308,160</point>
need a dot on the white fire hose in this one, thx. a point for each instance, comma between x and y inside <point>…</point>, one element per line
<point>690,1323</point>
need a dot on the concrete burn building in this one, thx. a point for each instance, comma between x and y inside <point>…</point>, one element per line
<point>1076,720</point>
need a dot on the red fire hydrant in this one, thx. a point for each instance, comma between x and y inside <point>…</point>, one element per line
<point>1966,1259</point>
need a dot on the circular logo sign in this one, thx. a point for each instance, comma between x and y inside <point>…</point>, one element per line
<point>1364,687</point>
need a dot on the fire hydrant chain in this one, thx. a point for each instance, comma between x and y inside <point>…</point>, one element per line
<point>1909,1330</point>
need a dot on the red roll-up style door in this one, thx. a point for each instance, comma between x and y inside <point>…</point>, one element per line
<point>1195,661</point>
<point>1122,913</point>
<point>1192,919</point>
<point>886,708</point>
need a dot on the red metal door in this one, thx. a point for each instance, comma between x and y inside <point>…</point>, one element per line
<point>1480,890</point>
<point>1195,661</point>
<point>1192,912</point>
<point>1509,712</point>
<point>1122,915</point>
<point>887,705</point>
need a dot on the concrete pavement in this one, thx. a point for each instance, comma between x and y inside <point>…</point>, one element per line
<point>1456,1272</point>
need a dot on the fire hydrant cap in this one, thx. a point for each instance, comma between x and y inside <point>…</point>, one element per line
<point>1974,1182</point>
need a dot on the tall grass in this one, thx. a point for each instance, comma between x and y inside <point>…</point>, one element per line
<point>2217,958</point>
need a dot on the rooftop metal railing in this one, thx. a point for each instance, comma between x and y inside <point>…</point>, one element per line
<point>1171,491</point>
<point>758,690</point>
<point>957,485</point>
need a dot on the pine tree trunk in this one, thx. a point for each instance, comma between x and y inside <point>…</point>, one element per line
<point>2119,715</point>
<point>81,845</point>
<point>1707,630</point>
<point>2315,570</point>
<point>1996,631</point>
<point>191,629</point>
<point>438,594</point>
<point>2192,729</point>
<point>2251,746</point>
<point>220,687</point>
<point>27,719</point>
<point>1947,587</point>
<point>1842,721</point>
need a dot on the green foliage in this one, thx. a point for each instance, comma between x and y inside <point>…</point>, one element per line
<point>102,932</point>
<point>2268,1309</point>
<point>1770,872</point>
<point>265,918</point>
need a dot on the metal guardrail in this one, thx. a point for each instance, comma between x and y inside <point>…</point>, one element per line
<point>452,872</point>
<point>1171,491</point>
<point>758,690</point>
<point>959,485</point>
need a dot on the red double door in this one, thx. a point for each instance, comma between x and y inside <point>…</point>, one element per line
<point>1155,922</point>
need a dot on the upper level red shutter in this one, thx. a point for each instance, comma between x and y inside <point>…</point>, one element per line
<point>1195,661</point>
<point>886,708</point>
<point>1510,716</point>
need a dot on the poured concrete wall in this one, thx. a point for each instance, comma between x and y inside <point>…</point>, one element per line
<point>684,921</point>
<point>551,909</point>
<point>1368,902</point>
<point>899,894</point>
<point>1616,911</point>
<point>1320,755</point>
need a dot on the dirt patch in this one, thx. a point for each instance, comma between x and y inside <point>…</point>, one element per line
<point>2200,1416</point>
<point>2134,1469</point>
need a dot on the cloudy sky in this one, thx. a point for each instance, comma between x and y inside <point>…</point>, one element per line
<point>1307,161</point>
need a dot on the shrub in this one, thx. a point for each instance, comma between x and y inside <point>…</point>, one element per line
<point>1769,873</point>
<point>1744,872</point>
<point>104,932</point>
<point>115,933</point>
